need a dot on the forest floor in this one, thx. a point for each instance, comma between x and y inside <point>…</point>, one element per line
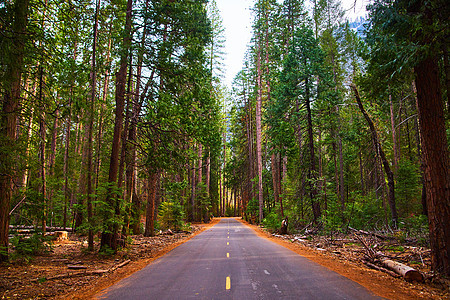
<point>346,255</point>
<point>47,276</point>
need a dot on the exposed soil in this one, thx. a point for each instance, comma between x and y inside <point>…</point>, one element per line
<point>38,279</point>
<point>345,255</point>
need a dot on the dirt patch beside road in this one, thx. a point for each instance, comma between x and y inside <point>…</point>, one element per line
<point>378,282</point>
<point>48,277</point>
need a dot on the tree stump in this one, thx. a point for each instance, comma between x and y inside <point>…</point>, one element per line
<point>284,226</point>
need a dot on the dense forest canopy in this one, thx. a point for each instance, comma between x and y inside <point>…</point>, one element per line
<point>114,112</point>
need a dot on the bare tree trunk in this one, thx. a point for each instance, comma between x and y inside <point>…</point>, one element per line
<point>221,210</point>
<point>436,160</point>
<point>447,75</point>
<point>66,164</point>
<point>42,142</point>
<point>199,180</point>
<point>93,82</point>
<point>151,200</point>
<point>102,110</point>
<point>208,173</point>
<point>67,196</point>
<point>361,172</point>
<point>394,139</point>
<point>274,167</point>
<point>109,237</point>
<point>250,174</point>
<point>258,136</point>
<point>27,150</point>
<point>387,168</point>
<point>341,173</point>
<point>312,169</point>
<point>132,134</point>
<point>193,188</point>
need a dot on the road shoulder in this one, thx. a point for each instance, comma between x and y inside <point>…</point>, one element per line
<point>377,282</point>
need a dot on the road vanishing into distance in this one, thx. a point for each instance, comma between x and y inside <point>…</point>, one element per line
<point>229,261</point>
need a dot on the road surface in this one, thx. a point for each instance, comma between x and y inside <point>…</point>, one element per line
<point>229,261</point>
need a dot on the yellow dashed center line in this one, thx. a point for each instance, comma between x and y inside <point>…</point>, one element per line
<point>228,243</point>
<point>228,255</point>
<point>228,283</point>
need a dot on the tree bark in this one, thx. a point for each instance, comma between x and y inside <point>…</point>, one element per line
<point>258,136</point>
<point>8,118</point>
<point>435,155</point>
<point>394,139</point>
<point>109,237</point>
<point>93,82</point>
<point>193,188</point>
<point>151,200</point>
<point>312,169</point>
<point>379,149</point>
<point>42,142</point>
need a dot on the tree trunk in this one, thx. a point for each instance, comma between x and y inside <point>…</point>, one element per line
<point>66,164</point>
<point>258,137</point>
<point>341,173</point>
<point>447,76</point>
<point>193,188</point>
<point>379,149</point>
<point>312,169</point>
<point>67,195</point>
<point>394,139</point>
<point>42,142</point>
<point>109,236</point>
<point>274,167</point>
<point>208,173</point>
<point>435,156</point>
<point>250,169</point>
<point>93,82</point>
<point>199,181</point>
<point>151,200</point>
<point>131,156</point>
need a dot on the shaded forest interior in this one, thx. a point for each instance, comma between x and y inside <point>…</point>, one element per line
<point>115,120</point>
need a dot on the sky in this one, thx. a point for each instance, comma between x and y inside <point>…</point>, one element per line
<point>237,20</point>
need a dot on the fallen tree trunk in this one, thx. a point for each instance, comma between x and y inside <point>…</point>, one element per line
<point>380,236</point>
<point>35,228</point>
<point>85,273</point>
<point>120,265</point>
<point>408,273</point>
<point>375,267</point>
<point>75,274</point>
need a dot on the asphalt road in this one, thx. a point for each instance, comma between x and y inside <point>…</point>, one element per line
<point>229,261</point>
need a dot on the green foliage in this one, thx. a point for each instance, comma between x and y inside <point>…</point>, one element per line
<point>105,216</point>
<point>171,215</point>
<point>332,221</point>
<point>365,212</point>
<point>272,221</point>
<point>408,188</point>
<point>26,247</point>
<point>106,251</point>
<point>203,202</point>
<point>253,208</point>
<point>416,227</point>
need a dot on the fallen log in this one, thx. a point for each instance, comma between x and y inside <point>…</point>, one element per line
<point>76,267</point>
<point>375,267</point>
<point>32,228</point>
<point>70,275</point>
<point>380,236</point>
<point>408,273</point>
<point>126,262</point>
